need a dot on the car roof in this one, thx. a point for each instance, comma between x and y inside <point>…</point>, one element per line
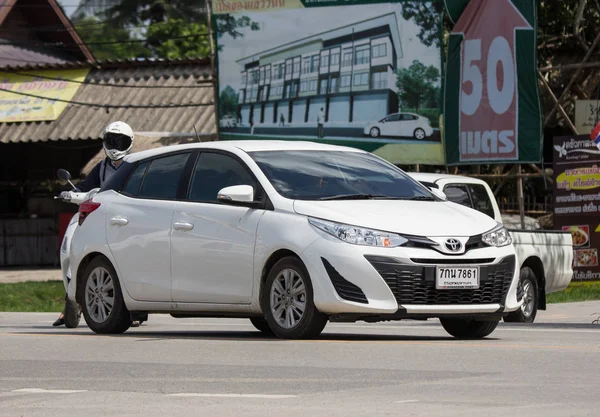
<point>243,145</point>
<point>435,177</point>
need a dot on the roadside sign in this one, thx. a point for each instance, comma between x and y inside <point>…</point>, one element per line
<point>491,104</point>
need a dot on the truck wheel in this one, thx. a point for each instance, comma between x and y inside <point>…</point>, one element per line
<point>288,301</point>
<point>104,308</point>
<point>72,314</point>
<point>262,325</point>
<point>528,311</point>
<point>469,329</point>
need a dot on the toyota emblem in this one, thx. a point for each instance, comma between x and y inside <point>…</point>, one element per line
<point>453,245</point>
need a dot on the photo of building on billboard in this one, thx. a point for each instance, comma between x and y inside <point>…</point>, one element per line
<point>357,73</point>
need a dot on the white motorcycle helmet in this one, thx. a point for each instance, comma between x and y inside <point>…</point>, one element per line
<point>117,140</point>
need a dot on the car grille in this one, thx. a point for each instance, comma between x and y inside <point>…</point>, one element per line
<point>415,284</point>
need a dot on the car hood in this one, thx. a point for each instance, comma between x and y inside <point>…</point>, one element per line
<point>420,218</point>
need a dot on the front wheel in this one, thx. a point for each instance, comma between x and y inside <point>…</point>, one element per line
<point>374,132</point>
<point>103,307</point>
<point>288,302</point>
<point>528,310</point>
<point>469,329</point>
<point>261,325</point>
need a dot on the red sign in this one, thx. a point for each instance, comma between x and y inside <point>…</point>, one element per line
<point>489,109</point>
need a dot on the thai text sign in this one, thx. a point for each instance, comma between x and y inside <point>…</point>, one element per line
<point>577,200</point>
<point>491,105</point>
<point>28,98</point>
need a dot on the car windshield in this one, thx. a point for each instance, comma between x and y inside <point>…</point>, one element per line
<point>331,175</point>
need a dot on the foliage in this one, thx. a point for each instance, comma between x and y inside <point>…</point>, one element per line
<point>576,291</point>
<point>228,101</point>
<point>426,16</point>
<point>32,296</point>
<point>165,40</point>
<point>227,24</point>
<point>417,84</point>
<point>93,32</point>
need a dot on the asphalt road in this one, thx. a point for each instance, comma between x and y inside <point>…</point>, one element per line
<point>221,367</point>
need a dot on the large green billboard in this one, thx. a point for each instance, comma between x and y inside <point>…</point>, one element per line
<point>491,105</point>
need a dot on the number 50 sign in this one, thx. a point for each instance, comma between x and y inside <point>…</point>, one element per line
<point>491,104</point>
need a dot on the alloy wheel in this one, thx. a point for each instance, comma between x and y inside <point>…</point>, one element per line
<point>99,295</point>
<point>288,298</point>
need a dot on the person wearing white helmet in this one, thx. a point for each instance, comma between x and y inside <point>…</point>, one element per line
<point>117,141</point>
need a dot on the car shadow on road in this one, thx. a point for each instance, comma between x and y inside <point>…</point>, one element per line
<point>246,336</point>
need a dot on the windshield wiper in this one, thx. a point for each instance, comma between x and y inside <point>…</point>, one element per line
<point>350,197</point>
<point>421,198</point>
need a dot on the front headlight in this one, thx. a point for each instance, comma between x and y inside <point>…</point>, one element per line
<point>497,237</point>
<point>359,235</point>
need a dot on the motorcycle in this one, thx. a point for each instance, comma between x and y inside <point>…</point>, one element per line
<point>72,313</point>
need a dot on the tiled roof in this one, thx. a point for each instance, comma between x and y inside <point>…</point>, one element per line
<point>85,122</point>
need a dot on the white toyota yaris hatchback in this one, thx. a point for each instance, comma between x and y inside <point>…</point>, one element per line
<point>289,235</point>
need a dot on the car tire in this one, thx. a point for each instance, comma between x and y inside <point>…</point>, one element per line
<point>72,314</point>
<point>419,134</point>
<point>101,288</point>
<point>261,325</point>
<point>287,299</point>
<point>374,132</point>
<point>527,312</point>
<point>469,329</point>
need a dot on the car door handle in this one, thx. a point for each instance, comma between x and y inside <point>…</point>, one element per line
<point>119,221</point>
<point>183,226</point>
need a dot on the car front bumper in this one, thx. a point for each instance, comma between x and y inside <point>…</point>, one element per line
<point>369,282</point>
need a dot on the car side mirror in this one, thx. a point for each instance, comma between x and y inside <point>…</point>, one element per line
<point>439,194</point>
<point>238,195</point>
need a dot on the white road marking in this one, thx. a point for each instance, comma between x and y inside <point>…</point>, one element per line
<point>262,396</point>
<point>49,391</point>
<point>406,401</point>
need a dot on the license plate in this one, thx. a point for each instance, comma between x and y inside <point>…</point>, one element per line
<point>458,277</point>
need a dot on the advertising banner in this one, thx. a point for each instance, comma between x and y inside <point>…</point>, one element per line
<point>491,101</point>
<point>587,115</point>
<point>577,199</point>
<point>22,108</point>
<point>365,74</point>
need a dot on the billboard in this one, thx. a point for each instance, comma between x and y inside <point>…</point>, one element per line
<point>577,200</point>
<point>45,85</point>
<point>491,100</point>
<point>587,115</point>
<point>365,74</point>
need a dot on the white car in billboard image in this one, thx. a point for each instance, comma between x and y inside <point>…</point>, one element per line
<point>290,235</point>
<point>402,125</point>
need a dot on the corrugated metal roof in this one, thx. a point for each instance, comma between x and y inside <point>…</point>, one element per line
<point>84,122</point>
<point>17,56</point>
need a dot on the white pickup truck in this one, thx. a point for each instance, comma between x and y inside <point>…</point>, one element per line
<point>545,257</point>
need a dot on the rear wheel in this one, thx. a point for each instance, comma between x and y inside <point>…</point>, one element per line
<point>262,325</point>
<point>528,310</point>
<point>104,309</point>
<point>419,134</point>
<point>288,301</point>
<point>469,329</point>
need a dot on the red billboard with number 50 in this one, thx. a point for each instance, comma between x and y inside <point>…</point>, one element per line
<point>492,111</point>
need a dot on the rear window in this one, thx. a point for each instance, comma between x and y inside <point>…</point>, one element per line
<point>161,180</point>
<point>474,196</point>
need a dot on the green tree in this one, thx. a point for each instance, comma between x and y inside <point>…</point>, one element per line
<point>417,84</point>
<point>228,101</point>
<point>173,40</point>
<point>100,37</point>
<point>426,15</point>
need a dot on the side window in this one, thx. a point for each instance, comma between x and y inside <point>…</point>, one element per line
<point>214,172</point>
<point>162,177</point>
<point>458,194</point>
<point>392,118</point>
<point>132,187</point>
<point>481,199</point>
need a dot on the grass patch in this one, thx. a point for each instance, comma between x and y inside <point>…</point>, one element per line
<point>32,296</point>
<point>576,291</point>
